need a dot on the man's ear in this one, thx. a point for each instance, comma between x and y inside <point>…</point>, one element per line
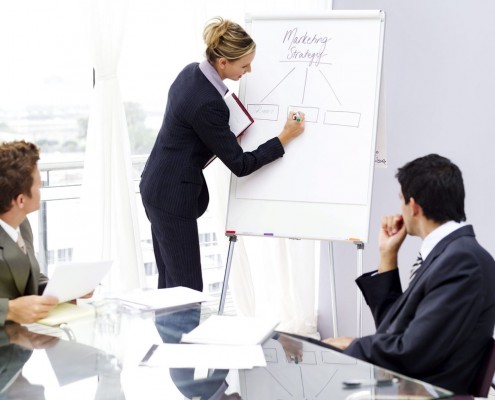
<point>415,207</point>
<point>19,201</point>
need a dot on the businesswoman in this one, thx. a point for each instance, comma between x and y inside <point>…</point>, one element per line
<point>196,127</point>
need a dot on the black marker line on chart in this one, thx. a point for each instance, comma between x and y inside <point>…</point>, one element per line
<point>278,84</point>
<point>331,88</point>
<point>305,62</point>
<point>304,89</point>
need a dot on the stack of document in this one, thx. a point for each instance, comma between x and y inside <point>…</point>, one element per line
<point>159,299</point>
<point>220,342</point>
<point>204,356</point>
<point>228,330</point>
<point>144,300</point>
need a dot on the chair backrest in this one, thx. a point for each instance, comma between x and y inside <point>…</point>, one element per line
<point>483,381</point>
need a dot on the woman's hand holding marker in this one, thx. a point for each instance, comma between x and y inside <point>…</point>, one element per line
<point>294,126</point>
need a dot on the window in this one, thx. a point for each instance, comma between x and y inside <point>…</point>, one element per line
<point>45,76</point>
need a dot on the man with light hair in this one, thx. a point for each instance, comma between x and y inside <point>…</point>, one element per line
<point>21,282</point>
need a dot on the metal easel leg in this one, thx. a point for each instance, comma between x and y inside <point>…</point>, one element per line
<point>232,240</point>
<point>360,248</point>
<point>333,292</point>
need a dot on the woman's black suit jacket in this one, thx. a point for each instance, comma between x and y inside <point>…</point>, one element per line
<point>195,127</point>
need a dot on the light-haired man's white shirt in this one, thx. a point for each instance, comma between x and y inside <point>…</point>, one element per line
<point>12,232</point>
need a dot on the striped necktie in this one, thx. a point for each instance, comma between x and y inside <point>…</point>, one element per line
<point>20,242</point>
<point>415,267</point>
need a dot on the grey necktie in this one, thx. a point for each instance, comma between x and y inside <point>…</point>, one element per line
<point>415,267</point>
<point>20,242</point>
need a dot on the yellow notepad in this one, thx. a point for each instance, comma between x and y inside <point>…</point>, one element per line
<point>66,312</point>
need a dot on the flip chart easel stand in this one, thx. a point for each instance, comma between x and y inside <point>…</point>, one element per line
<point>333,291</point>
<point>360,248</point>
<point>359,324</point>
<point>232,240</point>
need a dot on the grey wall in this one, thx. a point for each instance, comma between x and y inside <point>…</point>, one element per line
<point>439,71</point>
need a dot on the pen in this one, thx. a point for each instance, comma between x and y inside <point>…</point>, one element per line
<point>149,354</point>
<point>297,117</point>
<point>373,382</point>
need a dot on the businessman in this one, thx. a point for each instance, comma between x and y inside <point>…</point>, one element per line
<point>438,329</point>
<point>21,283</point>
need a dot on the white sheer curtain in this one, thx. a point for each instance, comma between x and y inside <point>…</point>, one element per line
<point>108,227</point>
<point>269,276</point>
<point>276,277</point>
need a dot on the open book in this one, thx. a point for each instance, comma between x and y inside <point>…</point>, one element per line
<point>239,119</point>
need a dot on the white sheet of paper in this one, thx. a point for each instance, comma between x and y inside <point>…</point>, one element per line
<point>72,280</point>
<point>231,330</point>
<point>205,356</point>
<point>157,299</point>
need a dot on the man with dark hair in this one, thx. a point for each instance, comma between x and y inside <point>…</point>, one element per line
<point>21,283</point>
<point>439,328</point>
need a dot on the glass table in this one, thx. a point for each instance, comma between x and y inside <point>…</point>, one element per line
<point>100,358</point>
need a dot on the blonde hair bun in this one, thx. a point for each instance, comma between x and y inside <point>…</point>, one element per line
<point>224,38</point>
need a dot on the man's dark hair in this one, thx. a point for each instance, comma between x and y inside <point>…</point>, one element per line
<point>18,160</point>
<point>436,185</point>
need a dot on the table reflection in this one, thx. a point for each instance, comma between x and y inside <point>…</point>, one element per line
<point>192,382</point>
<point>56,363</point>
<point>88,360</point>
<point>16,347</point>
<point>307,369</point>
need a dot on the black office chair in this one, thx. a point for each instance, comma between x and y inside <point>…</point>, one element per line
<point>483,382</point>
